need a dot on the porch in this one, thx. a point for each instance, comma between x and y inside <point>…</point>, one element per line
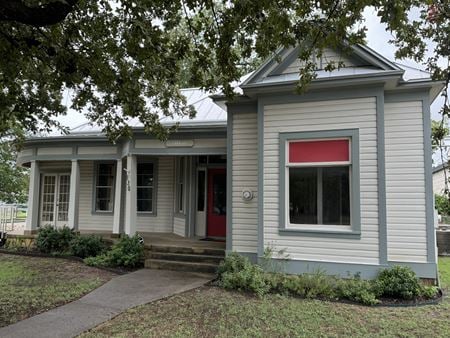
<point>165,194</point>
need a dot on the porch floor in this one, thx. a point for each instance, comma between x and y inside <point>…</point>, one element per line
<point>170,239</point>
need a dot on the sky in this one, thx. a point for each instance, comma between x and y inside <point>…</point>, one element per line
<point>377,39</point>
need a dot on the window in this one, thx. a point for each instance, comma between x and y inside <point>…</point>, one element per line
<point>104,187</point>
<point>180,185</point>
<point>319,181</point>
<point>145,187</point>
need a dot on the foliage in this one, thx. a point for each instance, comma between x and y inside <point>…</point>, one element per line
<point>439,130</point>
<point>358,290</point>
<point>20,243</point>
<point>310,285</point>
<point>54,240</point>
<point>127,252</point>
<point>126,60</point>
<point>13,179</point>
<point>398,282</point>
<point>238,273</point>
<point>88,246</point>
<point>442,204</point>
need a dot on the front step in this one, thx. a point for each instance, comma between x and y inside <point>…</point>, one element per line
<point>195,258</point>
<point>180,266</point>
<point>184,258</point>
<point>187,250</point>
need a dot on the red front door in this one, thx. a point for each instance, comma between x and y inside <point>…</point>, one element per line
<point>217,203</point>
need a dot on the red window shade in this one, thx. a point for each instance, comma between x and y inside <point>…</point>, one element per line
<point>319,151</point>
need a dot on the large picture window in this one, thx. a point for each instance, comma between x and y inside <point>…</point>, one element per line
<point>319,180</point>
<point>145,187</point>
<point>104,187</point>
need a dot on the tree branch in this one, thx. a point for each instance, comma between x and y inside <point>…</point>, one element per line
<point>38,16</point>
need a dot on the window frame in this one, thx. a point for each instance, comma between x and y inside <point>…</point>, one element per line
<point>154,162</point>
<point>285,227</point>
<point>94,188</point>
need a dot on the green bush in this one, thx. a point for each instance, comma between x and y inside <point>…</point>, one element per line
<point>398,282</point>
<point>233,263</point>
<point>238,273</point>
<point>442,204</point>
<point>127,252</point>
<point>357,290</point>
<point>88,246</point>
<point>53,240</point>
<point>310,285</point>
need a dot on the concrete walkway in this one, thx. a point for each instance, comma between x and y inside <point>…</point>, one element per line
<point>107,301</point>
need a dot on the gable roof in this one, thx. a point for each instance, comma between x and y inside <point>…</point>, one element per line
<point>361,61</point>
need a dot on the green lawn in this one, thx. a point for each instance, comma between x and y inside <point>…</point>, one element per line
<point>213,312</point>
<point>30,285</point>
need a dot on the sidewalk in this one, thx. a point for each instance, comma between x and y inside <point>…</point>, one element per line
<point>106,302</point>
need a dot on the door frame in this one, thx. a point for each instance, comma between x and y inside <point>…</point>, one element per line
<point>55,222</point>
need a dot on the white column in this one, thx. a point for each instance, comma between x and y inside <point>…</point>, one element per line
<point>74,195</point>
<point>130,200</point>
<point>33,199</point>
<point>117,197</point>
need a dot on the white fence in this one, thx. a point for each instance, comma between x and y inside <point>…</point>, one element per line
<point>8,215</point>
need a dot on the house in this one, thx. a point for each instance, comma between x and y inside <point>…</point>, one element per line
<point>440,174</point>
<point>323,176</point>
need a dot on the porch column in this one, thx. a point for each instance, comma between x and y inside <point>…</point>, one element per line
<point>74,195</point>
<point>33,199</point>
<point>117,197</point>
<point>130,200</point>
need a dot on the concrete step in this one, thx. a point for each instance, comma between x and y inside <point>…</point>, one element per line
<point>169,256</point>
<point>191,250</point>
<point>180,266</point>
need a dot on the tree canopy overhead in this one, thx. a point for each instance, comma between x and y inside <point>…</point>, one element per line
<point>124,59</point>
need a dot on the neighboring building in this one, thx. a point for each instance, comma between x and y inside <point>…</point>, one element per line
<point>323,176</point>
<point>439,175</point>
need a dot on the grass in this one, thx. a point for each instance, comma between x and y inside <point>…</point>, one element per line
<point>30,285</point>
<point>213,312</point>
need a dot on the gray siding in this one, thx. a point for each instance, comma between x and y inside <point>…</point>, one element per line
<point>162,222</point>
<point>179,225</point>
<point>245,176</point>
<point>405,182</point>
<point>87,220</point>
<point>328,56</point>
<point>317,116</point>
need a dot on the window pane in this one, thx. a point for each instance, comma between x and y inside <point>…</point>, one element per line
<point>104,187</point>
<point>303,195</point>
<point>145,205</point>
<point>336,195</point>
<point>144,193</point>
<point>201,191</point>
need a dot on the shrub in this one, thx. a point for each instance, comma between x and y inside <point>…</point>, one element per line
<point>127,252</point>
<point>310,285</point>
<point>398,282</point>
<point>233,263</point>
<point>357,290</point>
<point>88,246</point>
<point>238,273</point>
<point>442,204</point>
<point>54,240</point>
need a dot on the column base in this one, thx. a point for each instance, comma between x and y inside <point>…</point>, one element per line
<point>30,232</point>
